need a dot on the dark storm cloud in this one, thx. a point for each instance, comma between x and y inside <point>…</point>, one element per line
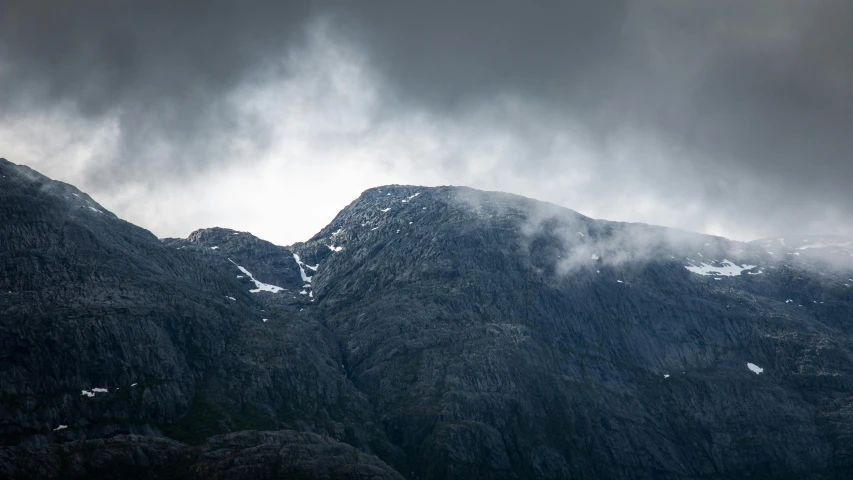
<point>762,90</point>
<point>162,68</point>
<point>758,92</point>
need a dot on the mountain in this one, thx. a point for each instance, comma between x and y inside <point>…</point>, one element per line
<point>424,333</point>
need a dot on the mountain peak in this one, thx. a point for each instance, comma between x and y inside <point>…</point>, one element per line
<point>31,185</point>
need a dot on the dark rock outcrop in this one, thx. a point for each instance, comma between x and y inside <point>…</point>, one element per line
<point>249,454</point>
<point>92,302</point>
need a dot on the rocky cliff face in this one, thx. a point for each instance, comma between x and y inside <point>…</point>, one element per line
<point>449,332</point>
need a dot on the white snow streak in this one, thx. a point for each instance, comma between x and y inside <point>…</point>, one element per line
<point>261,286</point>
<point>305,278</point>
<point>822,244</point>
<point>91,393</point>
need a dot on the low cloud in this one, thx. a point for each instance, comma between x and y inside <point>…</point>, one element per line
<point>730,118</point>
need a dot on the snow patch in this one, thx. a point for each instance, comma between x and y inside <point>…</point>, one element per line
<point>61,427</point>
<point>665,375</point>
<point>231,298</point>
<point>383,210</point>
<point>334,248</point>
<point>264,320</point>
<point>755,368</point>
<point>95,210</point>
<point>728,269</point>
<point>261,286</point>
<point>214,248</point>
<point>594,257</point>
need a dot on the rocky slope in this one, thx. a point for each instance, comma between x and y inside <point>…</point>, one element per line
<point>449,332</point>
<point>106,330</point>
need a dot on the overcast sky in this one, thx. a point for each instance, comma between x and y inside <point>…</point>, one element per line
<point>726,117</point>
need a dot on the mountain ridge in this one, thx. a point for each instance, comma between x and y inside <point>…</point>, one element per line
<point>444,332</point>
